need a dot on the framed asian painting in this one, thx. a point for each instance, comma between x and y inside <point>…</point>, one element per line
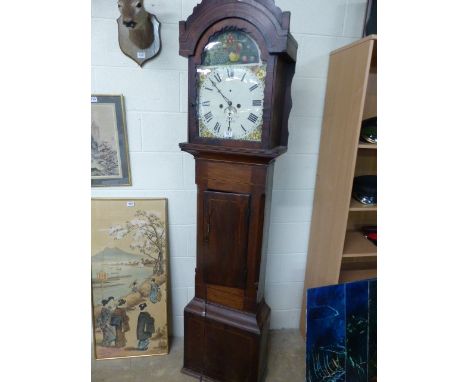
<point>110,165</point>
<point>129,276</point>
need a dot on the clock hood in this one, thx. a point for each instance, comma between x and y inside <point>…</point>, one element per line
<point>264,14</point>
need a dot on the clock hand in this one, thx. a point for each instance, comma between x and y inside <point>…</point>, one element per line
<point>219,91</point>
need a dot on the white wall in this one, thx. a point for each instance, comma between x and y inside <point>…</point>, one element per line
<point>156,106</point>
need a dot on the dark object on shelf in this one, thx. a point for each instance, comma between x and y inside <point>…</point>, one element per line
<point>370,22</point>
<point>341,341</point>
<point>370,232</point>
<point>365,189</point>
<point>369,130</point>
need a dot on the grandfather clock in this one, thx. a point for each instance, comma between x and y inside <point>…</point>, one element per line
<point>241,61</point>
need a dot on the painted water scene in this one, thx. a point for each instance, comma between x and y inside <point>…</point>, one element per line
<point>129,277</point>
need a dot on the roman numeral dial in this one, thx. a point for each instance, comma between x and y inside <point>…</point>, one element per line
<point>208,117</point>
<point>253,87</point>
<point>253,118</point>
<point>230,101</point>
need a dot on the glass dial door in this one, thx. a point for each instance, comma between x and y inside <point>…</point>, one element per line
<point>231,88</point>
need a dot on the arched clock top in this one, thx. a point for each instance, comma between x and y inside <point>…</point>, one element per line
<point>268,4</point>
<point>270,21</point>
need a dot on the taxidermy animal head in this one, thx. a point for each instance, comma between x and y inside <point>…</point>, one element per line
<point>138,22</point>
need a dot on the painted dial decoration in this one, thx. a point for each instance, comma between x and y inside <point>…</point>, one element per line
<point>230,104</point>
<point>231,87</point>
<point>232,47</point>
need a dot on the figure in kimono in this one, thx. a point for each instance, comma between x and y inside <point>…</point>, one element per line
<point>134,287</point>
<point>145,328</point>
<point>119,320</point>
<point>103,321</point>
<point>154,291</point>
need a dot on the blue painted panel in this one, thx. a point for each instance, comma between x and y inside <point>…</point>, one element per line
<point>357,312</point>
<point>326,317</point>
<point>372,352</point>
<point>342,333</point>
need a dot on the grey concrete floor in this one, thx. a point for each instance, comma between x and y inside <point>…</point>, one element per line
<point>286,363</point>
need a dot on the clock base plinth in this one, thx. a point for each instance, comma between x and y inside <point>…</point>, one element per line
<point>223,344</point>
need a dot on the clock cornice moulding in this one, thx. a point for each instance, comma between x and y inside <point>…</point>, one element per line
<point>270,20</point>
<point>208,4</point>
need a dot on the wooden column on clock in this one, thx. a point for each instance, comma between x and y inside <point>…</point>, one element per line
<point>227,322</point>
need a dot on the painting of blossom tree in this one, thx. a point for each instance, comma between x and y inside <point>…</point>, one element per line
<point>129,267</point>
<point>109,151</point>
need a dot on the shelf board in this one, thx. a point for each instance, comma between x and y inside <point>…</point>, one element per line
<point>347,276</point>
<point>356,206</point>
<point>356,245</point>
<point>358,263</point>
<point>364,145</point>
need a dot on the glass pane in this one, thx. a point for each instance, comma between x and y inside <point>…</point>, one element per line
<point>231,48</point>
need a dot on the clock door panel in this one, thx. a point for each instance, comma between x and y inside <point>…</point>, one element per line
<point>226,217</point>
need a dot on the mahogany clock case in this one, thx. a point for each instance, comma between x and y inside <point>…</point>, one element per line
<point>227,322</point>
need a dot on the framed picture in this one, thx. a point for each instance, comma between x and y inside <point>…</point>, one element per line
<point>110,164</point>
<point>129,271</point>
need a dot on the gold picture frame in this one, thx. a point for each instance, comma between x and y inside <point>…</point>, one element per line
<point>129,271</point>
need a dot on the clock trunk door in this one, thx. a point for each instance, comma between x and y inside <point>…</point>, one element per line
<point>226,217</point>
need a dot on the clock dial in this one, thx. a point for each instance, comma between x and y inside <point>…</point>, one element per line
<point>230,101</point>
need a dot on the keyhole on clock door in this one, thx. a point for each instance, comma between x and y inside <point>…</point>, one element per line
<point>208,226</point>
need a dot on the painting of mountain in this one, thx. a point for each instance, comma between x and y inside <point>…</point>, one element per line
<point>129,277</point>
<point>113,255</point>
<point>109,150</point>
<point>104,154</point>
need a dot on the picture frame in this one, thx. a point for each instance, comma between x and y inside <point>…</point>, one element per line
<point>110,164</point>
<point>129,277</point>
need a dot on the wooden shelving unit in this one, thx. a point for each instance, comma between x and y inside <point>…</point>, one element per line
<point>338,252</point>
<point>356,245</point>
<point>365,145</point>
<point>356,206</point>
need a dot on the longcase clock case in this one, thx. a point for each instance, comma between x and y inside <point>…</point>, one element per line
<point>227,322</point>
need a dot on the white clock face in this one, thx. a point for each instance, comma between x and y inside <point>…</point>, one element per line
<point>230,101</point>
